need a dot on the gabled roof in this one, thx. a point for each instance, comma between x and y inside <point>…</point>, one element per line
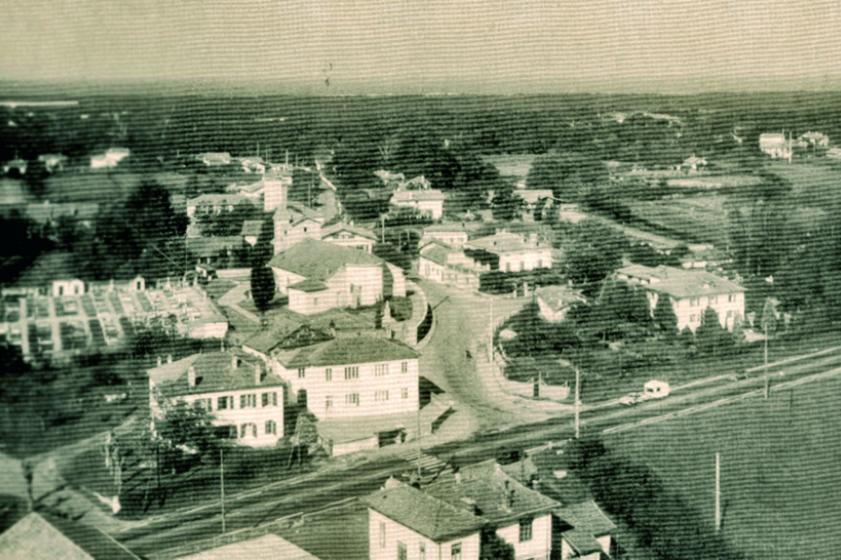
<point>339,227</point>
<point>498,497</point>
<point>679,283</point>
<point>214,372</point>
<point>45,537</point>
<point>437,252</point>
<point>558,297</point>
<point>349,350</point>
<point>423,513</point>
<point>586,516</point>
<point>319,260</point>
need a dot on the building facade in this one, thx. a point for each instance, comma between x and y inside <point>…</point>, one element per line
<point>449,234</point>
<point>516,252</point>
<point>690,293</point>
<point>245,399</point>
<point>347,235</point>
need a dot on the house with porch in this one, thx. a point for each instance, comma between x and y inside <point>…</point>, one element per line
<point>318,276</point>
<point>690,292</point>
<point>244,397</point>
<point>583,531</point>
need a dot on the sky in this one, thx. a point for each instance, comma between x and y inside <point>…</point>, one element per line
<point>429,46</point>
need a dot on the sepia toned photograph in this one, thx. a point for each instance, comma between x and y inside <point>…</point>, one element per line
<point>420,280</point>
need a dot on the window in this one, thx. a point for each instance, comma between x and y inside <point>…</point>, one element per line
<point>328,402</point>
<point>248,430</point>
<point>328,374</point>
<point>352,399</point>
<point>693,318</point>
<point>525,529</point>
<point>248,401</point>
<point>404,393</point>
<point>302,372</point>
<point>455,551</point>
<point>401,551</point>
<point>352,372</point>
<point>271,427</point>
<point>382,534</point>
<point>422,551</point>
<point>404,367</point>
<point>269,399</point>
<point>380,396</point>
<point>222,403</point>
<point>315,301</point>
<point>380,369</point>
<point>693,302</point>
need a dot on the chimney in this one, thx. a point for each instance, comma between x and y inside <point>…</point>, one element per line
<point>234,361</point>
<point>169,358</point>
<point>160,361</point>
<point>191,376</point>
<point>258,373</point>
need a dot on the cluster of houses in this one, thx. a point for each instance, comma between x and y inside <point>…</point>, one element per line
<point>453,517</point>
<point>778,145</point>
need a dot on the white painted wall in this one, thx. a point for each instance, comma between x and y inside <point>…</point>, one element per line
<point>730,308</point>
<point>540,545</point>
<point>530,259</point>
<point>286,235</point>
<point>347,239</point>
<point>386,549</point>
<point>237,416</point>
<point>445,275</point>
<point>398,285</point>
<point>370,386</point>
<point>283,279</point>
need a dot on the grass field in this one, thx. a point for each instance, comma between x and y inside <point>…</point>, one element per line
<point>816,184</point>
<point>696,218</point>
<point>781,469</point>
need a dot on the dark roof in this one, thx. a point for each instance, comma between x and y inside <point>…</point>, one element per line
<point>498,496</point>
<point>437,252</point>
<point>423,513</point>
<point>586,516</point>
<point>582,542</point>
<point>214,373</point>
<point>309,285</point>
<point>285,332</point>
<point>40,536</point>
<point>319,260</point>
<point>349,350</point>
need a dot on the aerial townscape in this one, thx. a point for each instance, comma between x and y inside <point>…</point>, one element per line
<point>249,320</point>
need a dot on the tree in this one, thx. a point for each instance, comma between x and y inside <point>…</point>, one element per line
<point>262,287</point>
<point>664,317</point>
<point>711,337</point>
<point>228,223</point>
<point>186,427</point>
<point>592,251</point>
<point>506,205</point>
<point>570,176</point>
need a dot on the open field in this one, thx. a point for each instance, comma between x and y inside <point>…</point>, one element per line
<point>816,184</point>
<point>713,182</point>
<point>780,469</point>
<point>511,165</point>
<point>694,219</point>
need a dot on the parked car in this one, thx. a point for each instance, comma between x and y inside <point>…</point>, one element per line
<point>631,399</point>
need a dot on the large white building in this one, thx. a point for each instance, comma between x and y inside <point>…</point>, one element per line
<point>318,276</point>
<point>776,145</point>
<point>244,397</point>
<point>110,159</point>
<point>516,252</point>
<point>351,377</point>
<point>690,292</point>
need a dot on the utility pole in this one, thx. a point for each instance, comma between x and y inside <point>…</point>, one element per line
<point>491,334</point>
<point>417,416</point>
<point>222,483</point>
<point>382,227</point>
<point>577,402</point>
<point>717,491</point>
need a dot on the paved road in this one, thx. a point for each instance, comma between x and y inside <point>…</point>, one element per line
<point>315,492</point>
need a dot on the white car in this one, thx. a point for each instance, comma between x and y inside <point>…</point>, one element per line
<point>631,399</point>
